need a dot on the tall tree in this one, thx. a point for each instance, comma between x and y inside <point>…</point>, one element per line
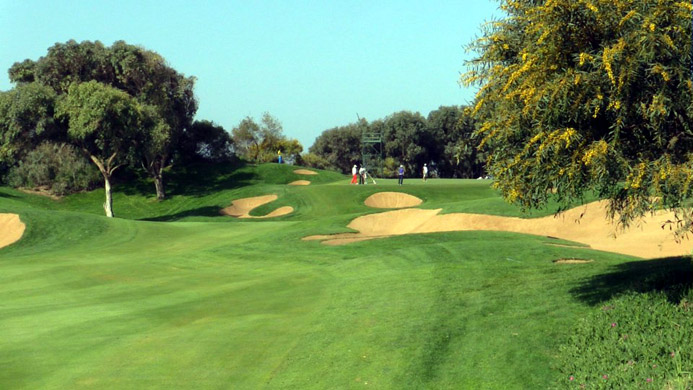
<point>206,141</point>
<point>26,119</point>
<point>105,122</point>
<point>340,147</point>
<point>143,74</point>
<point>406,139</point>
<point>455,152</point>
<point>582,95</point>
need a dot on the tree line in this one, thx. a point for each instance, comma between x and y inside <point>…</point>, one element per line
<point>444,140</point>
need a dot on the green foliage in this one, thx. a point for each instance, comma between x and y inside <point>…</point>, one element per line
<point>205,141</point>
<point>26,119</point>
<point>59,167</point>
<point>166,97</point>
<point>636,341</point>
<point>261,142</point>
<point>443,141</point>
<point>313,160</point>
<point>582,95</point>
<point>339,147</point>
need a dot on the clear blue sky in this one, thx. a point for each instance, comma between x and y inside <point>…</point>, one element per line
<point>312,64</point>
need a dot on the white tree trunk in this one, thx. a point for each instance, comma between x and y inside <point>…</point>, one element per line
<point>108,206</point>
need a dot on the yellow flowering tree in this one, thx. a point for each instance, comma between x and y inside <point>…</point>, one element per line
<point>588,94</point>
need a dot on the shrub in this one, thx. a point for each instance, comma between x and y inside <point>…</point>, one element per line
<point>636,341</point>
<point>313,160</point>
<point>58,167</point>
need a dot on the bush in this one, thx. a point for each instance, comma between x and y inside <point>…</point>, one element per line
<point>60,168</point>
<point>313,160</point>
<point>636,341</point>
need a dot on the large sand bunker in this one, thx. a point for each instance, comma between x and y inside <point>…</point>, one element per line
<point>305,172</point>
<point>586,224</point>
<point>300,183</point>
<point>240,208</point>
<point>11,229</point>
<point>392,200</point>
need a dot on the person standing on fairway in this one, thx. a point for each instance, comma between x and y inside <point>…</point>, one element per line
<point>400,174</point>
<point>425,172</point>
<point>279,156</point>
<point>362,175</point>
<point>354,173</point>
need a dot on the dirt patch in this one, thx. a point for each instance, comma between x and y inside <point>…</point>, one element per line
<point>11,229</point>
<point>572,261</point>
<point>300,183</point>
<point>305,172</point>
<point>586,224</point>
<point>41,191</point>
<point>240,208</point>
<point>392,200</point>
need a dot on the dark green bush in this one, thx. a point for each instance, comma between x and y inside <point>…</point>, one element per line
<point>60,168</point>
<point>636,341</point>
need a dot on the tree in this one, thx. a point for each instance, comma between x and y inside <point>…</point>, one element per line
<point>578,95</point>
<point>339,147</point>
<point>407,139</point>
<point>206,141</point>
<point>455,152</point>
<point>246,136</point>
<point>26,119</point>
<point>166,96</point>
<point>105,123</point>
<point>260,142</point>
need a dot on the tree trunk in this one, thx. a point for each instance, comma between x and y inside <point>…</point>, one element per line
<point>108,206</point>
<point>159,184</point>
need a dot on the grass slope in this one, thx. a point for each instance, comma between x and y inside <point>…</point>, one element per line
<point>173,295</point>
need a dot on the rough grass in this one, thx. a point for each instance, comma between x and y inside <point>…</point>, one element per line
<point>172,295</point>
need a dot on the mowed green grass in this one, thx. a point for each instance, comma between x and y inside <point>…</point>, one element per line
<point>172,295</point>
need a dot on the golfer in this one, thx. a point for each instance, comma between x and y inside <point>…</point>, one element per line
<point>425,172</point>
<point>400,174</point>
<point>354,174</point>
<point>362,175</point>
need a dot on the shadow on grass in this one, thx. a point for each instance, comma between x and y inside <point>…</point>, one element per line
<point>195,180</point>
<point>208,211</point>
<point>673,276</point>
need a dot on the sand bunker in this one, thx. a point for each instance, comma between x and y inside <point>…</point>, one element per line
<point>647,240</point>
<point>573,261</point>
<point>392,200</point>
<point>241,208</point>
<point>300,183</point>
<point>305,172</point>
<point>11,229</point>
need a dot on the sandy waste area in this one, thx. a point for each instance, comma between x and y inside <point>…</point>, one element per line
<point>300,183</point>
<point>305,172</point>
<point>587,224</point>
<point>240,208</point>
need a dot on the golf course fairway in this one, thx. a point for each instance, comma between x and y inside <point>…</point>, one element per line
<point>177,295</point>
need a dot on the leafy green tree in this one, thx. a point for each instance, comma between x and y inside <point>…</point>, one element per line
<point>105,122</point>
<point>456,152</point>
<point>407,139</point>
<point>206,141</point>
<point>246,137</point>
<point>261,142</point>
<point>166,96</point>
<point>578,95</point>
<point>339,147</point>
<point>26,119</point>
